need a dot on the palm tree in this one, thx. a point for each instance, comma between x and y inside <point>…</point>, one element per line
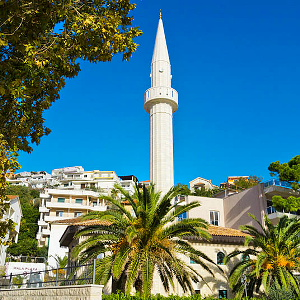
<point>143,237</point>
<point>271,259</point>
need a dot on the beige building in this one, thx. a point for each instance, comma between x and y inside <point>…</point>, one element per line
<point>60,204</point>
<point>201,183</point>
<point>224,240</point>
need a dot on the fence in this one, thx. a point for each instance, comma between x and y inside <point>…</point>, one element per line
<point>73,275</point>
<point>31,259</point>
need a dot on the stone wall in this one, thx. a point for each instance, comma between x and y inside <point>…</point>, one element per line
<point>75,292</point>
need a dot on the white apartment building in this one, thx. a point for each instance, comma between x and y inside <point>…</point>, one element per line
<point>35,180</point>
<point>102,181</point>
<point>199,183</point>
<point>60,204</point>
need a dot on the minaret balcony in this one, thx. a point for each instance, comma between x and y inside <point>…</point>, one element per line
<point>161,93</point>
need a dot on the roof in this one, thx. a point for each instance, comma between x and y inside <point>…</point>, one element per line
<point>224,231</point>
<point>10,197</point>
<point>212,229</point>
<point>80,222</point>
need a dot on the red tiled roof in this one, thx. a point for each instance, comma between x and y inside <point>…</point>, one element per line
<point>79,222</point>
<point>10,197</point>
<point>224,231</point>
<point>212,229</point>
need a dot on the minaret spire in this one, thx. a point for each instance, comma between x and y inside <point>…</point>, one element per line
<point>161,100</point>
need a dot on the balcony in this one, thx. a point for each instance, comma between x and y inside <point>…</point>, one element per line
<point>274,215</point>
<point>98,208</point>
<point>45,196</point>
<point>167,93</point>
<point>277,182</point>
<point>277,187</point>
<point>42,223</point>
<point>55,218</point>
<point>43,209</point>
<point>45,231</point>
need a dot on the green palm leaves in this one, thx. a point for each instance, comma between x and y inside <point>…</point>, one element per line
<point>274,256</point>
<point>140,237</point>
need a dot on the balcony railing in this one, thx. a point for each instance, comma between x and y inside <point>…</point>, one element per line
<point>272,210</point>
<point>277,182</point>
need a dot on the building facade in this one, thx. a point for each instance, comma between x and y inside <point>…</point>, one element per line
<point>60,204</point>
<point>15,214</point>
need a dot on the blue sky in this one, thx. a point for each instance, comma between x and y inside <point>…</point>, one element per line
<point>236,67</point>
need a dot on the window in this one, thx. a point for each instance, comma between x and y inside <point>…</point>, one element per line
<point>192,262</point>
<point>220,258</point>
<point>214,218</point>
<point>77,214</point>
<point>94,203</point>
<point>66,184</point>
<point>182,216</point>
<point>85,176</point>
<point>245,257</point>
<point>78,201</point>
<point>59,213</point>
<point>198,292</point>
<point>61,200</point>
<point>222,294</point>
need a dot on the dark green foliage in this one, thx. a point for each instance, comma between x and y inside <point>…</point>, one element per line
<point>121,296</point>
<point>289,172</point>
<point>185,191</point>
<point>287,205</point>
<point>280,293</point>
<point>245,184</point>
<point>206,193</point>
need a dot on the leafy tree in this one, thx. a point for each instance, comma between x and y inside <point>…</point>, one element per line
<point>286,205</point>
<point>207,193</point>
<point>40,44</point>
<point>289,172</point>
<point>137,242</point>
<point>8,163</point>
<point>245,184</point>
<point>274,255</point>
<point>185,191</point>
<point>61,261</point>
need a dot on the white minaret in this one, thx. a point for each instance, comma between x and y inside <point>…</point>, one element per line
<point>161,101</point>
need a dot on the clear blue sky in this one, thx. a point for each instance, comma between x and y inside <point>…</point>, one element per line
<point>236,67</point>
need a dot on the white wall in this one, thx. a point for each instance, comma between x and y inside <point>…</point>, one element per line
<point>54,248</point>
<point>207,205</point>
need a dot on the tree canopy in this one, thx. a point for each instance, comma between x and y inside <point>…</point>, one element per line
<point>40,44</point>
<point>250,182</point>
<point>8,163</point>
<point>289,171</point>
<point>143,237</point>
<point>290,204</point>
